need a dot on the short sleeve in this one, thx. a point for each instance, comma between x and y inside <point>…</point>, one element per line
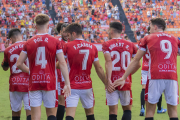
<point>143,44</point>
<point>179,46</point>
<point>58,47</point>
<point>105,48</point>
<point>65,50</point>
<point>134,50</point>
<point>96,55</point>
<point>25,48</point>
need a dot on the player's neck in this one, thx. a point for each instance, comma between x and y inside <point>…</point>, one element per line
<point>16,41</point>
<point>79,38</point>
<point>41,32</point>
<point>159,30</point>
<point>116,36</point>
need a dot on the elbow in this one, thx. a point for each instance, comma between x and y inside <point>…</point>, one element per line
<point>5,68</point>
<point>18,64</point>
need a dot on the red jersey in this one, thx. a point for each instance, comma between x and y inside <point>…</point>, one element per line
<point>18,80</point>
<point>121,53</point>
<point>145,63</point>
<point>80,56</point>
<point>163,49</point>
<point>41,51</point>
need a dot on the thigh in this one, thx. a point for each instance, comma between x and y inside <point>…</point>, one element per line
<point>35,98</point>
<point>153,91</point>
<point>50,98</point>
<point>112,98</point>
<point>73,99</point>
<point>26,101</point>
<point>51,111</point>
<point>172,111</point>
<point>171,92</point>
<point>70,111</point>
<point>16,101</point>
<point>36,113</point>
<point>87,98</point>
<point>113,109</point>
<point>150,109</point>
<point>61,100</point>
<point>125,97</point>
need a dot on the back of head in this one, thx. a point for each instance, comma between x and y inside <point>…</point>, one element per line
<point>159,22</point>
<point>74,27</point>
<point>58,27</point>
<point>64,25</point>
<point>116,26</point>
<point>41,20</point>
<point>15,35</point>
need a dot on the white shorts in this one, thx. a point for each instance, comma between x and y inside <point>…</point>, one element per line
<point>59,88</point>
<point>124,96</point>
<point>144,77</point>
<point>154,89</point>
<point>50,98</point>
<point>16,99</point>
<point>86,96</point>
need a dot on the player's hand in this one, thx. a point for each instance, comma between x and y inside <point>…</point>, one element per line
<point>6,44</point>
<point>120,82</point>
<point>110,88</point>
<point>67,91</point>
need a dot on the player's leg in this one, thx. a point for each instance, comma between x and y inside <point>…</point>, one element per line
<point>61,104</point>
<point>61,107</point>
<point>35,98</point>
<point>50,99</point>
<point>112,102</point>
<point>87,100</point>
<point>71,104</point>
<point>172,98</point>
<point>142,100</point>
<point>16,104</point>
<point>154,89</point>
<point>144,76</point>
<point>160,108</point>
<point>26,105</point>
<point>126,102</point>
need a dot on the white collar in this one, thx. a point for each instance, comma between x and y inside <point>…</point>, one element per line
<point>18,41</point>
<point>79,39</point>
<point>42,34</point>
<point>117,38</point>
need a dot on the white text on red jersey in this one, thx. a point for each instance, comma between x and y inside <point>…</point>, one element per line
<point>77,46</point>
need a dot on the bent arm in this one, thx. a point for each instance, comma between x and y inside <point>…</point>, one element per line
<point>20,63</point>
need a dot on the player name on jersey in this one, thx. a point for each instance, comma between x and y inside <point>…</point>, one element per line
<point>77,46</point>
<point>15,48</point>
<point>39,39</point>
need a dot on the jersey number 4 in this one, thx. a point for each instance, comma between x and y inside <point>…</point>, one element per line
<point>125,58</point>
<point>41,57</point>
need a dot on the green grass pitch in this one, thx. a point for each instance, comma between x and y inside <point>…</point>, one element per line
<point>100,109</point>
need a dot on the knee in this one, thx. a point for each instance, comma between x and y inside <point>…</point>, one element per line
<point>16,113</point>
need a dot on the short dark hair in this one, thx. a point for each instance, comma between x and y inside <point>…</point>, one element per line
<point>41,19</point>
<point>126,37</point>
<point>148,29</point>
<point>159,22</point>
<point>74,27</point>
<point>117,26</point>
<point>13,32</point>
<point>58,27</point>
<point>64,25</point>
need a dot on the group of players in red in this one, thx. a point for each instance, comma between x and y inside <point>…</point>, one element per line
<point>57,71</point>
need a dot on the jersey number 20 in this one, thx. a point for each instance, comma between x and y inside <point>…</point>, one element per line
<point>124,55</point>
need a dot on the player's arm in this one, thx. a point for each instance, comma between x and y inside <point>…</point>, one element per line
<point>134,65</point>
<point>5,65</point>
<point>64,70</point>
<point>135,70</point>
<point>100,72</point>
<point>20,62</point>
<point>108,66</point>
